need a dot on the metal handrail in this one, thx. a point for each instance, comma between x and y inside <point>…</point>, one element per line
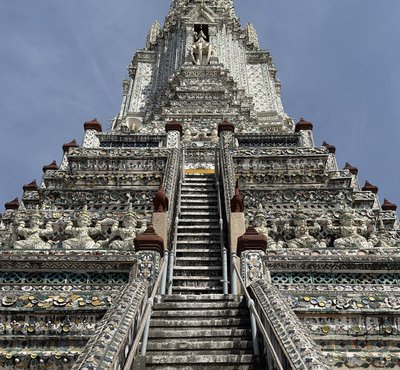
<point>255,319</point>
<point>224,251</point>
<point>172,254</point>
<point>145,322</point>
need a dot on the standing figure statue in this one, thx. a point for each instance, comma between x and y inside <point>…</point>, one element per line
<point>349,236</point>
<point>81,233</point>
<point>201,50</point>
<point>127,233</point>
<point>302,237</point>
<point>260,224</point>
<point>33,237</point>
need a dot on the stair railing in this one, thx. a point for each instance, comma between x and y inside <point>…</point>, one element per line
<point>143,331</point>
<point>172,254</point>
<point>224,251</point>
<point>257,324</point>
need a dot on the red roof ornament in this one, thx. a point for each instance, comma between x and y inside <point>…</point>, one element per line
<point>225,126</point>
<point>369,187</point>
<point>50,167</point>
<point>94,124</point>
<point>32,186</point>
<point>71,144</point>
<point>251,240</point>
<point>388,206</point>
<point>331,148</point>
<point>174,126</point>
<point>149,241</point>
<point>160,200</point>
<point>353,170</point>
<point>303,125</point>
<point>13,204</point>
<point>237,204</point>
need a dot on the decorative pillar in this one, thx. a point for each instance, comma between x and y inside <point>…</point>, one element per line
<point>149,249</point>
<point>30,196</point>
<point>305,129</point>
<point>90,140</point>
<point>374,190</point>
<point>354,172</point>
<point>226,140</point>
<point>251,247</point>
<point>160,214</point>
<point>331,163</point>
<point>174,133</point>
<point>236,229</point>
<point>66,148</point>
<point>189,42</point>
<point>225,133</point>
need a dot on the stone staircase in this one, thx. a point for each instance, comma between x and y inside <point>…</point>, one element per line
<point>198,268</point>
<point>198,327</point>
<point>200,332</point>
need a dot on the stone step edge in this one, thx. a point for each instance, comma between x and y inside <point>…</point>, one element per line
<point>181,359</point>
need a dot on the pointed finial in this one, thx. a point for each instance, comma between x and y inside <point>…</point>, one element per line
<point>160,200</point>
<point>237,204</point>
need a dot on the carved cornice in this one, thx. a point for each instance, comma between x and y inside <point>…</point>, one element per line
<point>347,260</point>
<point>64,261</point>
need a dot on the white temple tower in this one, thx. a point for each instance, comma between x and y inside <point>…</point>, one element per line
<point>204,230</point>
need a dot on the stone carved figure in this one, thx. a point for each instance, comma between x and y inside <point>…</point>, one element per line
<point>109,230</point>
<point>302,237</point>
<point>387,238</point>
<point>33,236</point>
<point>127,233</point>
<point>349,236</point>
<point>214,136</point>
<point>326,229</point>
<point>81,234</point>
<point>201,50</point>
<point>187,136</point>
<point>260,225</point>
<point>142,226</point>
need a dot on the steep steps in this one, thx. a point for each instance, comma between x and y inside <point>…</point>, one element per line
<point>198,327</point>
<point>210,331</point>
<point>198,267</point>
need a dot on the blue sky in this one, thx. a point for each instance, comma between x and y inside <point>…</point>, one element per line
<point>62,63</point>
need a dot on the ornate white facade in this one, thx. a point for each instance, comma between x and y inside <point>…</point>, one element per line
<point>201,167</point>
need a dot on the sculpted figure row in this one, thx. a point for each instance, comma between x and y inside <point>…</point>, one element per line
<point>349,233</point>
<point>105,234</point>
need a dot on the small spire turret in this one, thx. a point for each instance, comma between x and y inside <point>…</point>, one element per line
<point>154,32</point>
<point>252,35</point>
